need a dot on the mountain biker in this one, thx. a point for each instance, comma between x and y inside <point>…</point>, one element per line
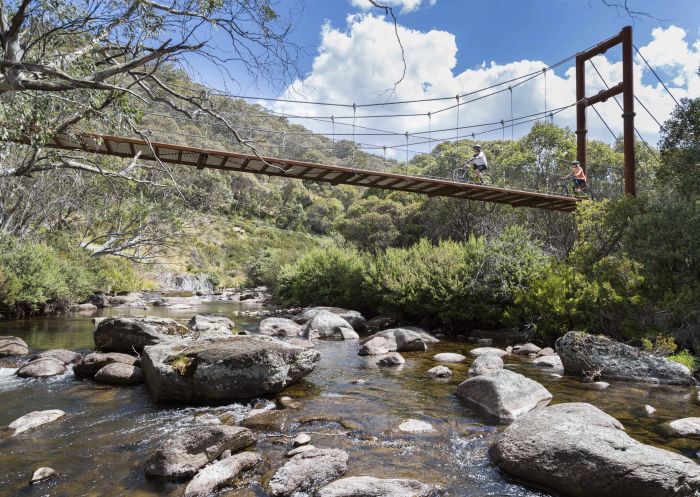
<point>578,175</point>
<point>478,162</point>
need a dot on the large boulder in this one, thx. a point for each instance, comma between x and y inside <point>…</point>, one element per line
<point>89,365</point>
<point>34,419</point>
<point>485,364</point>
<point>129,334</point>
<point>63,355</point>
<point>378,323</point>
<point>222,473</point>
<point>579,451</point>
<point>41,368</point>
<point>205,322</point>
<point>13,346</point>
<point>279,327</point>
<point>376,346</point>
<point>325,324</point>
<point>356,320</point>
<point>189,450</point>
<point>118,373</point>
<point>308,470</point>
<point>239,367</point>
<point>367,486</point>
<point>406,339</point>
<point>602,357</point>
<point>503,394</point>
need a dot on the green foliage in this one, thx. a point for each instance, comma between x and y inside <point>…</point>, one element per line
<point>680,150</point>
<point>325,276</point>
<point>662,345</point>
<point>263,269</point>
<point>686,358</point>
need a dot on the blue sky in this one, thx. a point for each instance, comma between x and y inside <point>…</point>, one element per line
<point>454,47</point>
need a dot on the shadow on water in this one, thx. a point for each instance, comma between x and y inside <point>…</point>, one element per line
<point>100,447</point>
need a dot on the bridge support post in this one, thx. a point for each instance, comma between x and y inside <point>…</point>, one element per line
<point>624,38</point>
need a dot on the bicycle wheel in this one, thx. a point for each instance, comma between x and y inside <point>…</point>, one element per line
<point>588,193</point>
<point>459,175</point>
<point>561,190</point>
<point>486,179</point>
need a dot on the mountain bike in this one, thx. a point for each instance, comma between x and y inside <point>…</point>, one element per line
<point>466,174</point>
<point>568,188</point>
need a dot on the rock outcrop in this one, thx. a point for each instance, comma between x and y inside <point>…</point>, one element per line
<point>189,450</point>
<point>239,367</point>
<point>601,357</point>
<point>577,450</point>
<point>503,394</point>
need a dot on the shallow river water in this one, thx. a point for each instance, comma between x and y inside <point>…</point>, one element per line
<point>100,447</point>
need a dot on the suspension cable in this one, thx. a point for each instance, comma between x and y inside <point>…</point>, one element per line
<point>657,76</point>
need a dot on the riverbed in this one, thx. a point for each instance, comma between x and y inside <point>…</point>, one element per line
<point>100,447</point>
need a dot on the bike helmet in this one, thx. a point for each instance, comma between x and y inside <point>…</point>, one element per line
<point>476,147</point>
<point>575,162</point>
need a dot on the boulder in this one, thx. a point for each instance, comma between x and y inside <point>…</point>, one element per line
<point>301,439</point>
<point>503,394</point>
<point>41,368</point>
<point>548,361</point>
<point>34,419</point>
<point>98,300</point>
<point>189,450</point>
<point>376,346</point>
<point>308,470</point>
<point>599,356</point>
<point>42,474</point>
<point>686,427</point>
<point>129,298</point>
<point>63,355</point>
<point>222,474</point>
<point>406,339</point>
<point>440,372</point>
<point>485,364</point>
<point>579,451</point>
<point>546,351</point>
<point>279,327</point>
<point>325,324</point>
<point>239,367</point>
<point>118,373</point>
<point>449,357</point>
<point>527,349</point>
<point>356,320</point>
<point>415,426</point>
<point>487,350</point>
<point>85,308</point>
<point>347,334</point>
<point>13,346</point>
<point>391,359</point>
<point>265,419</point>
<point>367,486</point>
<point>204,322</point>
<point>129,334</point>
<point>89,365</point>
<point>378,323</point>
<point>299,450</point>
<point>184,302</point>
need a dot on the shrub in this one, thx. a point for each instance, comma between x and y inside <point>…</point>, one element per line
<point>324,276</point>
<point>686,358</point>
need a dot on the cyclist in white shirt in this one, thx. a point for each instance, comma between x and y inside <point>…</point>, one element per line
<point>478,162</point>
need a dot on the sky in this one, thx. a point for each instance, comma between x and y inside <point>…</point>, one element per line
<point>459,46</point>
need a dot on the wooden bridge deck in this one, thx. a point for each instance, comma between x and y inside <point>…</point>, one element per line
<point>231,161</point>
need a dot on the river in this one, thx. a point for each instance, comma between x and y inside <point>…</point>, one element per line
<point>100,447</point>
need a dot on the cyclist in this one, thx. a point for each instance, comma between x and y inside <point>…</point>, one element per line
<point>578,175</point>
<point>478,162</point>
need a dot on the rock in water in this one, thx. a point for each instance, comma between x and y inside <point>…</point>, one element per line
<point>63,355</point>
<point>549,361</point>
<point>585,354</point>
<point>89,365</point>
<point>391,359</point>
<point>239,367</point>
<point>367,486</point>
<point>528,348</point>
<point>449,357</point>
<point>205,322</point>
<point>356,320</point>
<point>279,327</point>
<point>686,427</point>
<point>376,346</point>
<point>325,324</point>
<point>485,364</point>
<point>503,394</point>
<point>577,450</point>
<point>35,419</point>
<point>221,474</point>
<point>41,368</point>
<point>440,372</point>
<point>307,470</point>
<point>42,474</point>
<point>126,334</point>
<point>193,448</point>
<point>118,373</point>
<point>13,346</point>
<point>415,426</point>
<point>301,439</point>
<point>405,339</point>
<point>487,350</point>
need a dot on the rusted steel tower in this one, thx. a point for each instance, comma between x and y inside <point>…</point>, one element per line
<point>626,87</point>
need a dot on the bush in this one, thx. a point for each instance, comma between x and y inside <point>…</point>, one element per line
<point>324,276</point>
<point>686,358</point>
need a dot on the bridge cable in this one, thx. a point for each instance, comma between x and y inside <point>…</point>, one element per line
<point>657,76</point>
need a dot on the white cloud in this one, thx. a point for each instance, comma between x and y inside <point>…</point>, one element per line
<point>406,5</point>
<point>362,64</point>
